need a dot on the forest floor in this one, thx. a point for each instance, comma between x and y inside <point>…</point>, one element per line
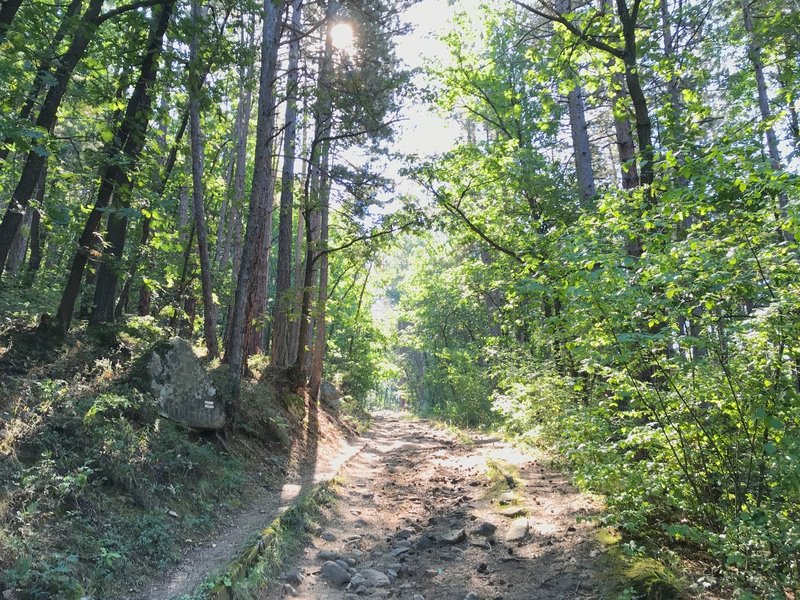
<point>426,513</point>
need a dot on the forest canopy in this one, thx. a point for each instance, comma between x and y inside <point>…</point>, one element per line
<point>605,260</point>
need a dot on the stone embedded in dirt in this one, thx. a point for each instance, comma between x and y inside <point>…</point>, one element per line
<point>454,536</point>
<point>328,536</point>
<point>335,573</point>
<point>482,567</point>
<point>342,563</point>
<point>513,511</point>
<point>402,544</point>
<point>181,387</point>
<point>486,529</point>
<point>371,578</point>
<point>518,530</point>
<point>294,577</point>
<point>472,596</point>
<point>395,552</point>
<point>418,597</point>
<point>405,533</point>
<point>328,555</point>
<point>507,498</point>
<point>424,542</point>
<point>289,590</point>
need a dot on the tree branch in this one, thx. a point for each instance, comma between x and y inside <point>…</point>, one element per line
<point>126,8</point>
<point>572,28</point>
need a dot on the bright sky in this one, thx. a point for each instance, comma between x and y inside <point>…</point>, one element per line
<point>426,132</point>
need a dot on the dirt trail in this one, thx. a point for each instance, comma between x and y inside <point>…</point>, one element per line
<point>422,517</point>
<point>203,558</point>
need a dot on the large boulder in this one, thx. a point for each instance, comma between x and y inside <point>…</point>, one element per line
<point>182,388</point>
<point>330,395</point>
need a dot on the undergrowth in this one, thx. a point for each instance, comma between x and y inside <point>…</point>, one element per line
<point>97,489</point>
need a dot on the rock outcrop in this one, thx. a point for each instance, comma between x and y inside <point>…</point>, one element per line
<point>181,387</point>
<point>330,395</point>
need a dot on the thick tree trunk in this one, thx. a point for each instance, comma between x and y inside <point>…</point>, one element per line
<point>318,186</point>
<point>34,162</point>
<point>195,86</point>
<point>262,175</point>
<point>318,357</point>
<point>283,276</point>
<point>8,11</point>
<point>105,292</point>
<point>644,126</point>
<point>580,134</point>
<point>128,143</point>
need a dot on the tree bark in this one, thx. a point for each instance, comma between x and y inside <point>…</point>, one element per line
<point>262,175</point>
<point>283,276</point>
<point>19,246</point>
<point>580,144</point>
<point>128,142</point>
<point>8,11</point>
<point>318,185</point>
<point>195,86</point>
<point>318,356</point>
<point>34,162</point>
<point>626,149</point>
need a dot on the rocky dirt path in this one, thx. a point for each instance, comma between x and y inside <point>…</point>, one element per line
<point>424,516</point>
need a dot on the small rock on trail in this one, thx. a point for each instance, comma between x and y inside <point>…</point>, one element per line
<point>413,525</point>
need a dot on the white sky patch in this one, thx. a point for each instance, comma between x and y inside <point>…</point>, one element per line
<point>425,132</point>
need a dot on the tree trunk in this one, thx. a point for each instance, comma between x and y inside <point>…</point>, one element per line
<point>8,10</point>
<point>127,145</point>
<point>283,276</point>
<point>580,134</point>
<point>317,360</point>
<point>262,176</point>
<point>319,186</point>
<point>44,68</point>
<point>299,270</point>
<point>644,126</point>
<point>754,54</point>
<point>19,246</point>
<point>34,161</point>
<point>105,292</point>
<point>158,192</point>
<point>580,143</point>
<point>358,312</point>
<point>626,149</point>
<point>195,85</point>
